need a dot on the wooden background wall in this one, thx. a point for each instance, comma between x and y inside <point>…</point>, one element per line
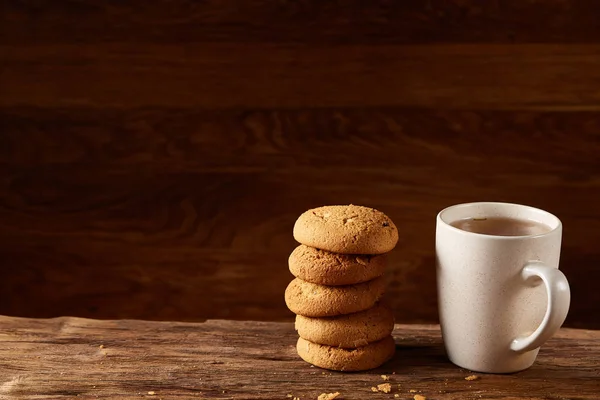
<point>155,154</point>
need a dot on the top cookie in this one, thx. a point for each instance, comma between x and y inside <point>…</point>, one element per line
<point>346,230</point>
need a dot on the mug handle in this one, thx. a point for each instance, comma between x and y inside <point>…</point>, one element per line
<point>559,299</point>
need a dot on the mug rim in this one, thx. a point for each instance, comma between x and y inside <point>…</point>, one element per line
<point>557,227</point>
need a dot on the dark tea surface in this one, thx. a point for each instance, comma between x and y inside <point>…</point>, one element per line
<point>500,226</point>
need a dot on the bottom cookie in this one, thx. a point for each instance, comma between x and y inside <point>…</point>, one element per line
<point>360,359</point>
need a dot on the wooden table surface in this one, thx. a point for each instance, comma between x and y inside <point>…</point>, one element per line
<point>67,358</point>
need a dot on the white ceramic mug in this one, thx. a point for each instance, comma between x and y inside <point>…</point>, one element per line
<point>494,311</point>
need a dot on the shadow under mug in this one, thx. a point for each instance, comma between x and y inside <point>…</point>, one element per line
<point>499,297</point>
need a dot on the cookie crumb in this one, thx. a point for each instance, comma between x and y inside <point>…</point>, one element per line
<point>296,398</point>
<point>151,393</point>
<point>419,397</point>
<point>412,391</point>
<point>471,378</point>
<point>385,377</point>
<point>397,395</point>
<point>374,389</point>
<point>289,395</point>
<point>384,387</point>
<point>328,396</point>
<point>101,346</point>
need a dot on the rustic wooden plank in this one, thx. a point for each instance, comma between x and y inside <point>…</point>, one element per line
<point>104,238</point>
<point>88,359</point>
<point>254,140</point>
<point>374,22</point>
<point>132,213</point>
<point>230,75</point>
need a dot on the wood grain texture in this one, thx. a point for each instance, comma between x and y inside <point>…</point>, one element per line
<point>154,155</point>
<point>314,22</point>
<point>68,358</point>
<point>179,214</point>
<point>224,75</point>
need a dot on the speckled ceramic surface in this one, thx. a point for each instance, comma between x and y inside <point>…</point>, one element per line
<point>500,297</point>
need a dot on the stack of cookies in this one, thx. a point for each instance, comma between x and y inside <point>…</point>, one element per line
<point>337,294</point>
